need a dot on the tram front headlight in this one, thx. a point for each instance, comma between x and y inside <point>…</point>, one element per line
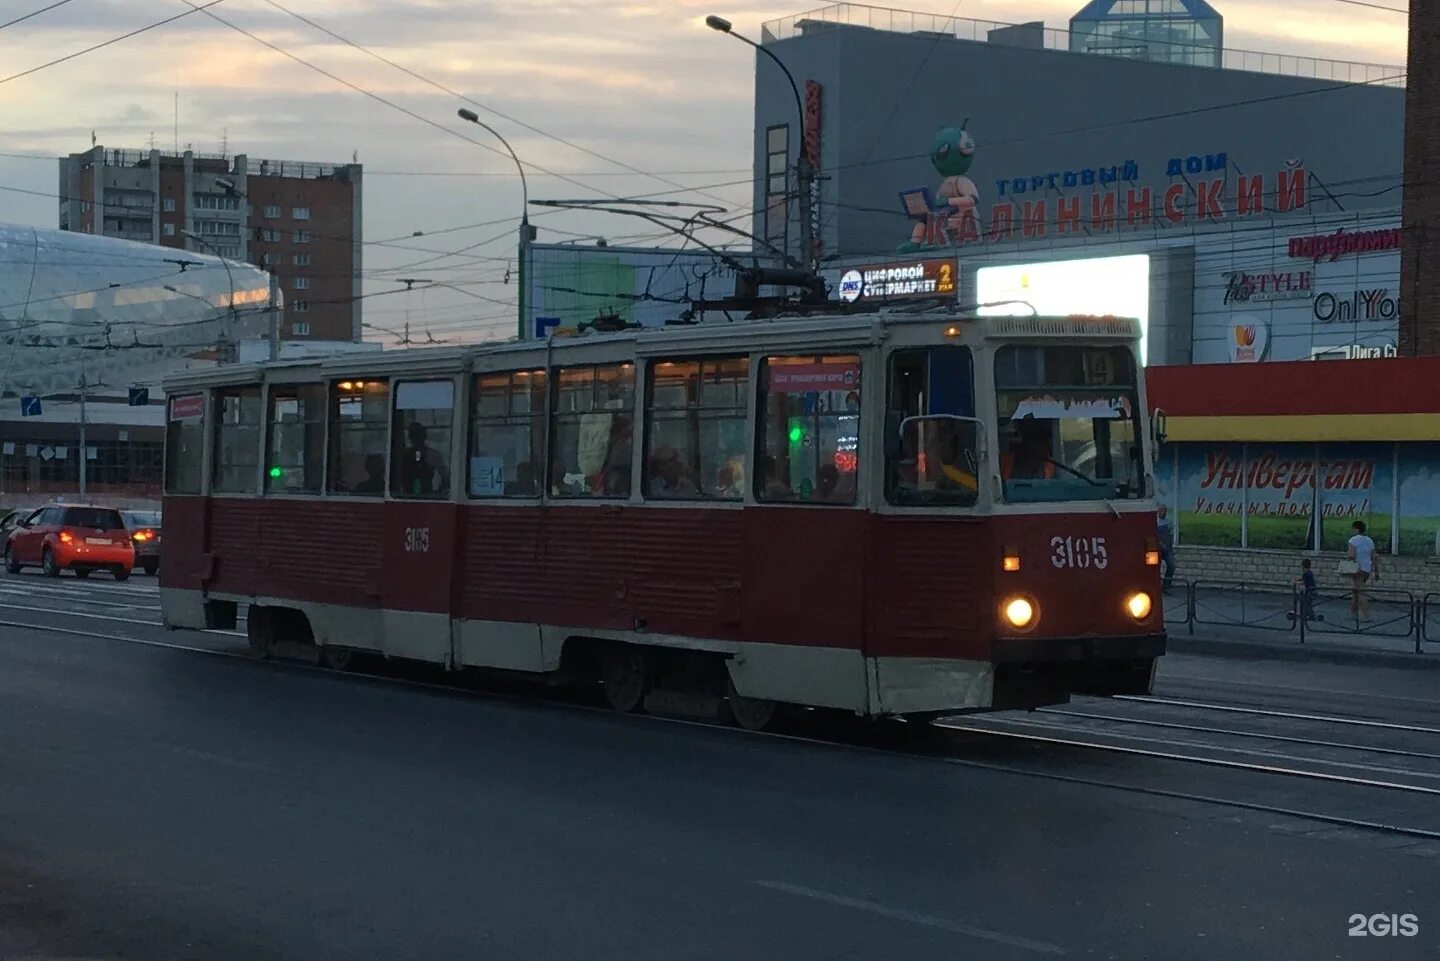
<point>1019,612</point>
<point>1139,605</point>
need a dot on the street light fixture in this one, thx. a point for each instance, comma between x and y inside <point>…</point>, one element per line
<point>527,233</point>
<point>804,173</point>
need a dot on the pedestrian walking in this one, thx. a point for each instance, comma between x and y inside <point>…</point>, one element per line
<point>1363,566</point>
<point>1167,545</point>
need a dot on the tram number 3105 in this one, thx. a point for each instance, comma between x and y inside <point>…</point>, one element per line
<point>417,540</point>
<point>1069,552</point>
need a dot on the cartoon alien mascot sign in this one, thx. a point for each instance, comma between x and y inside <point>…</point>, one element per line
<point>952,153</point>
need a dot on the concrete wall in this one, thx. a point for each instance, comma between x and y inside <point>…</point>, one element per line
<point>1226,565</point>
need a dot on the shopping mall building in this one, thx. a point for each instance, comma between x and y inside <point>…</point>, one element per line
<point>1245,206</point>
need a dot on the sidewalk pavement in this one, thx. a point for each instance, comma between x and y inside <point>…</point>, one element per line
<point>1257,621</point>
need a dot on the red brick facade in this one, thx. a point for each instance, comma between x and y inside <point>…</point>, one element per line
<point>1420,257</point>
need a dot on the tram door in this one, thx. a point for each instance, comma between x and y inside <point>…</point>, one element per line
<point>418,557</point>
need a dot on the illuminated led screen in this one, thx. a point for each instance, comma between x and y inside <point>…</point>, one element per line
<point>1102,285</point>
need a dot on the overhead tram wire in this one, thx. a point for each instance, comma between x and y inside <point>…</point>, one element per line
<point>205,8</point>
<point>473,102</point>
<point>445,128</point>
<point>1375,6</point>
<point>33,13</point>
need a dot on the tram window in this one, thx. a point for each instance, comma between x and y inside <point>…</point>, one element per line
<point>507,434</point>
<point>592,431</point>
<point>359,414</point>
<point>237,439</point>
<point>932,447</point>
<point>424,413</point>
<point>296,450</point>
<point>808,429</point>
<point>1067,423</point>
<point>184,444</point>
<point>695,445</point>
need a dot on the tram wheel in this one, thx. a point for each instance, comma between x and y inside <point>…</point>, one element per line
<point>624,676</point>
<point>337,658</point>
<point>749,713</point>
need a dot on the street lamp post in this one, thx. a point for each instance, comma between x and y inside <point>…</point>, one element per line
<point>527,233</point>
<point>226,330</point>
<point>804,172</point>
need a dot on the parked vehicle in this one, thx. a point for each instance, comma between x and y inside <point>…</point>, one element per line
<point>8,522</point>
<point>63,537</point>
<point>144,529</point>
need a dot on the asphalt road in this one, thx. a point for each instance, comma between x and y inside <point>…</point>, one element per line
<point>170,804</point>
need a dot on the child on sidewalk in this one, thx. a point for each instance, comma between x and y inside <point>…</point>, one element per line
<point>1308,592</point>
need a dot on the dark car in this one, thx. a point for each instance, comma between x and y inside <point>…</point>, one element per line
<point>144,529</point>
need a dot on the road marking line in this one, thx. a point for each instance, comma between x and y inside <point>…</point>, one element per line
<point>929,921</point>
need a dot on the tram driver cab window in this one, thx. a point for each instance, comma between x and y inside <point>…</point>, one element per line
<point>932,439</point>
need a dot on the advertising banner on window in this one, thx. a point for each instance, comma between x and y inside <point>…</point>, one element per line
<point>1280,481</point>
<point>1420,500</point>
<point>1212,495</point>
<point>1355,486</point>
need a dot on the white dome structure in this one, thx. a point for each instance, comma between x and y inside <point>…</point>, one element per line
<point>116,312</point>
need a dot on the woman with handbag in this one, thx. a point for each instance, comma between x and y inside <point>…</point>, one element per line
<point>1361,565</point>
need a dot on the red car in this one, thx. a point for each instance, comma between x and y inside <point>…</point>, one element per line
<point>81,539</point>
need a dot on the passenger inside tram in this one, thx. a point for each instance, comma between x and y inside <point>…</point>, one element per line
<point>1029,454</point>
<point>422,468</point>
<point>374,482</point>
<point>671,476</point>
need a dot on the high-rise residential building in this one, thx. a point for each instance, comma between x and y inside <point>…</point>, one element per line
<point>300,221</point>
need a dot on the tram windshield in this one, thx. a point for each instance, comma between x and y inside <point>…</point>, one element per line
<point>1067,423</point>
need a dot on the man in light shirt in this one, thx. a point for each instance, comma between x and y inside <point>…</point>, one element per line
<point>1362,552</point>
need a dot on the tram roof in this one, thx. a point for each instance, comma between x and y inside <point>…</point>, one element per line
<point>821,332</point>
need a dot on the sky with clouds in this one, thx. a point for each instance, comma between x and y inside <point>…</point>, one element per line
<point>642,83</point>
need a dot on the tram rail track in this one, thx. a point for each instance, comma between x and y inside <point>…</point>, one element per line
<point>989,730</point>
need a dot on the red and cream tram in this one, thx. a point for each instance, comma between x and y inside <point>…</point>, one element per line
<point>889,514</point>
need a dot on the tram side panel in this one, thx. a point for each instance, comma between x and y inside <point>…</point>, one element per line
<point>187,568</point>
<point>930,613</point>
<point>803,607</point>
